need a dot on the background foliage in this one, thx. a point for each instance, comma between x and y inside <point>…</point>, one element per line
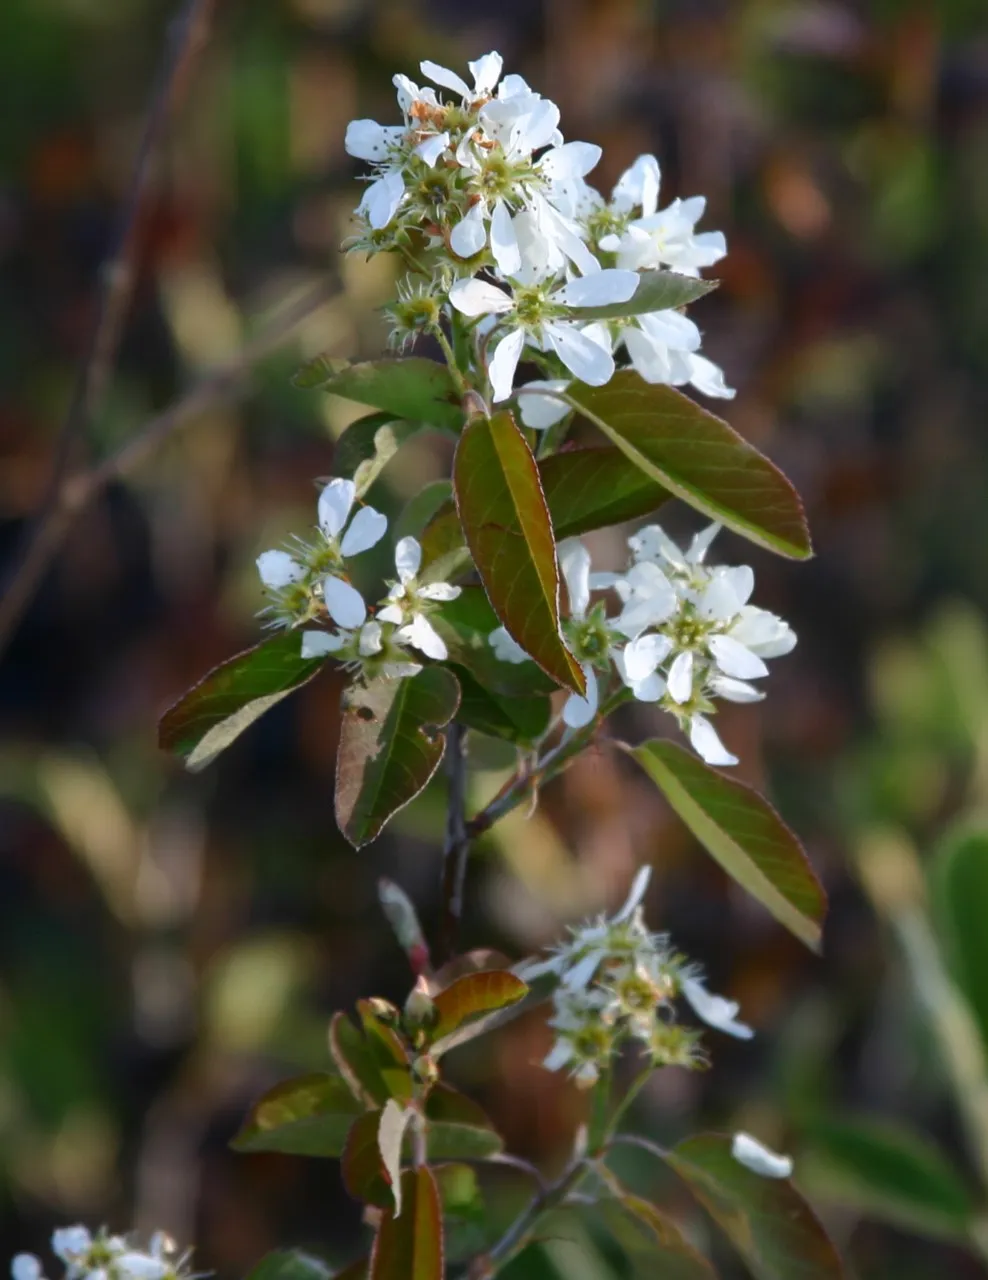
<point>172,944</point>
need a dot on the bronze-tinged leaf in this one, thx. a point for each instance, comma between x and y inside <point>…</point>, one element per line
<point>390,746</point>
<point>743,832</point>
<point>410,1247</point>
<point>591,488</point>
<point>480,960</point>
<point>308,1116</point>
<point>472,996</point>
<point>657,291</point>
<point>699,458</point>
<point>766,1219</point>
<point>412,388</point>
<point>232,696</point>
<point>356,1061</point>
<point>507,527</point>
<point>364,1173</point>
<point>651,1240</point>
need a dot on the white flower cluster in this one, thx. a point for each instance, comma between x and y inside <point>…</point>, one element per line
<point>617,984</point>
<point>483,183</point>
<point>105,1257</point>
<point>311,583</point>
<point>685,634</point>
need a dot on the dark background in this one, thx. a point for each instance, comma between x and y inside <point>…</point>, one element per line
<point>172,944</point>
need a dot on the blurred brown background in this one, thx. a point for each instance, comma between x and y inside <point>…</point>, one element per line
<point>169,944</point>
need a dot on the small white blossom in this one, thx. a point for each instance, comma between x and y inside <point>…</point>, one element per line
<point>408,602</point>
<point>715,1011</point>
<point>760,1159</point>
<point>105,1257</point>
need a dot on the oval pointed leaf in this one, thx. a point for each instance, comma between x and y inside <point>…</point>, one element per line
<point>356,1061</point>
<point>766,1219</point>
<point>386,1048</point>
<point>308,1116</point>
<point>960,892</point>
<point>591,488</point>
<point>232,696</point>
<point>365,1175</point>
<point>367,446</point>
<point>699,458</point>
<point>290,1264</point>
<point>652,1240</point>
<point>508,530</point>
<point>390,746</point>
<point>657,291</point>
<point>474,995</point>
<point>888,1171</point>
<point>414,388</point>
<point>743,832</point>
<point>518,720</point>
<point>410,1247</point>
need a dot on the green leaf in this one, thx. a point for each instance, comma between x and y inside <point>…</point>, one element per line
<point>654,1244</point>
<point>589,488</point>
<point>414,388</point>
<point>458,1128</point>
<point>885,1170</point>
<point>465,1216</point>
<point>743,832</point>
<point>518,720</point>
<point>472,996</point>
<point>390,746</point>
<point>290,1264</point>
<point>232,696</point>
<point>357,1061</point>
<point>367,446</point>
<point>386,1047</point>
<point>421,508</point>
<point>410,1247</point>
<point>507,527</point>
<point>657,291</point>
<point>699,458</point>
<point>364,1174</point>
<point>960,892</point>
<point>308,1116</point>
<point>466,624</point>
<point>766,1219</point>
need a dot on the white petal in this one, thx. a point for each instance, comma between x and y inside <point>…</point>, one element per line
<point>345,603</point>
<point>478,298</point>
<point>504,242</point>
<point>432,148</point>
<point>534,129</point>
<point>578,711</point>
<point>366,530</point>
<point>141,1266</point>
<point>370,641</point>
<point>599,290</point>
<point>726,592</point>
<point>400,670</point>
<point>707,744</point>
<point>25,1266</point>
<point>442,75</point>
<point>638,185</point>
<point>649,359</point>
<point>69,1243</point>
<point>278,569</point>
<point>700,544</point>
<point>558,1056</point>
<point>680,679</point>
<point>408,558</point>
<point>571,160</point>
<point>335,502</point>
<point>391,613</point>
<point>504,364</point>
<point>368,140</point>
<point>708,378</point>
<point>408,92</point>
<point>583,357</point>
<point>316,644</point>
<point>382,198</point>
<point>672,329</point>
<point>422,635</point>
<point>715,1011</point>
<point>653,543</point>
<point>734,690</point>
<point>643,656</point>
<point>650,689</point>
<point>574,562</point>
<point>440,591</point>
<point>540,412</point>
<point>470,234</point>
<point>635,896</point>
<point>581,974</point>
<point>506,648</point>
<point>764,633</point>
<point>486,72</point>
<point>735,660</point>
<point>758,1158</point>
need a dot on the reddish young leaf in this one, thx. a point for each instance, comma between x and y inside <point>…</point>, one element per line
<point>508,530</point>
<point>744,833</point>
<point>699,458</point>
<point>590,488</point>
<point>390,747</point>
<point>473,995</point>
<point>410,1247</point>
<point>364,1174</point>
<point>308,1116</point>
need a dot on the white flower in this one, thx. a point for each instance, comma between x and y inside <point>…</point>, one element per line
<point>706,742</point>
<point>278,569</point>
<point>715,1011</point>
<point>542,411</point>
<point>405,608</point>
<point>506,648</point>
<point>544,324</point>
<point>343,602</point>
<point>25,1266</point>
<point>71,1243</point>
<point>486,72</point>
<point>668,239</point>
<point>758,1158</point>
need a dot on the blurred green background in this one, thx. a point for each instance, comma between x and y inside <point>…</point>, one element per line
<point>170,945</point>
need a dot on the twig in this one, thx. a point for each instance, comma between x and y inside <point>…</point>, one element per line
<point>456,849</point>
<point>633,1140</point>
<point>186,37</point>
<point>520,1232</point>
<point>79,491</point>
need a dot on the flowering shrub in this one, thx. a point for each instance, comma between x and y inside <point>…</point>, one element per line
<point>514,262</point>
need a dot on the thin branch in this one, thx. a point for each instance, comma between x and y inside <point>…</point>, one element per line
<point>633,1140</point>
<point>187,35</point>
<point>79,491</point>
<point>456,849</point>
